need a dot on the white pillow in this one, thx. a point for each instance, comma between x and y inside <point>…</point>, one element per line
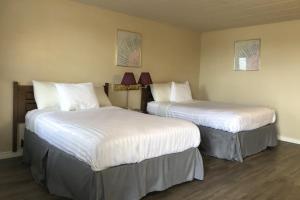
<point>181,92</point>
<point>101,96</point>
<point>76,96</point>
<point>161,91</point>
<point>45,94</point>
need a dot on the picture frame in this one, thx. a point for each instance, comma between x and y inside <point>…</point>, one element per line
<point>247,55</point>
<point>128,49</point>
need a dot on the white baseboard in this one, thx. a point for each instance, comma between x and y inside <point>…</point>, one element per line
<point>10,154</point>
<point>288,139</point>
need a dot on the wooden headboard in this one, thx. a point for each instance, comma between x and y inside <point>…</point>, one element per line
<point>23,101</point>
<point>146,97</point>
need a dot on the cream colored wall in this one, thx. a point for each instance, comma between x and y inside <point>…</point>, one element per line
<point>276,84</point>
<point>63,40</point>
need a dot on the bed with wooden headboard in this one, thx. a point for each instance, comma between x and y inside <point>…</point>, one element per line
<point>215,142</point>
<point>62,171</point>
<point>23,101</point>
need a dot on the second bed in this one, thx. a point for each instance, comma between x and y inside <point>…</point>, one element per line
<point>228,131</point>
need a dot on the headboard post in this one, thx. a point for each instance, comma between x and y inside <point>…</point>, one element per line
<point>106,88</point>
<point>146,96</point>
<point>15,117</point>
<point>23,101</point>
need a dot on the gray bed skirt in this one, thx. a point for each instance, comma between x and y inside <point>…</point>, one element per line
<point>236,146</point>
<point>66,176</point>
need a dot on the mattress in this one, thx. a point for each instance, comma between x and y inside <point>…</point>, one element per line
<point>111,136</point>
<point>232,118</point>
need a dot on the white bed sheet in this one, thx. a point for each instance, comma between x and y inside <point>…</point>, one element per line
<point>227,117</point>
<point>111,136</point>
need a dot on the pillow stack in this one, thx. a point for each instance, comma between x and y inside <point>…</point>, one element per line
<point>45,94</point>
<point>181,92</point>
<point>161,91</point>
<point>173,92</point>
<point>74,97</point>
<point>69,97</point>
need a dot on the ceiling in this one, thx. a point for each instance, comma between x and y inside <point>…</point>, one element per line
<point>206,15</point>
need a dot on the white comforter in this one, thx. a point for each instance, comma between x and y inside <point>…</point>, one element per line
<point>228,117</point>
<point>112,136</point>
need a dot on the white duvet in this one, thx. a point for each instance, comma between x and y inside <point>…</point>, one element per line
<point>112,136</point>
<point>228,117</point>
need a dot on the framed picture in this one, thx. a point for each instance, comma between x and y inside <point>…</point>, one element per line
<point>129,49</point>
<point>247,55</point>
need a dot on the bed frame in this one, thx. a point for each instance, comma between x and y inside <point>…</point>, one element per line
<point>23,101</point>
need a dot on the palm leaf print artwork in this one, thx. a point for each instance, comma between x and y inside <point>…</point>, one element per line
<point>247,55</point>
<point>129,49</point>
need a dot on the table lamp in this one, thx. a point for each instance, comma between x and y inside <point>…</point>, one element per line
<point>145,79</point>
<point>128,79</point>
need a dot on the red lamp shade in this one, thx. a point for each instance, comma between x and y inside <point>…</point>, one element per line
<point>145,79</point>
<point>128,79</point>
